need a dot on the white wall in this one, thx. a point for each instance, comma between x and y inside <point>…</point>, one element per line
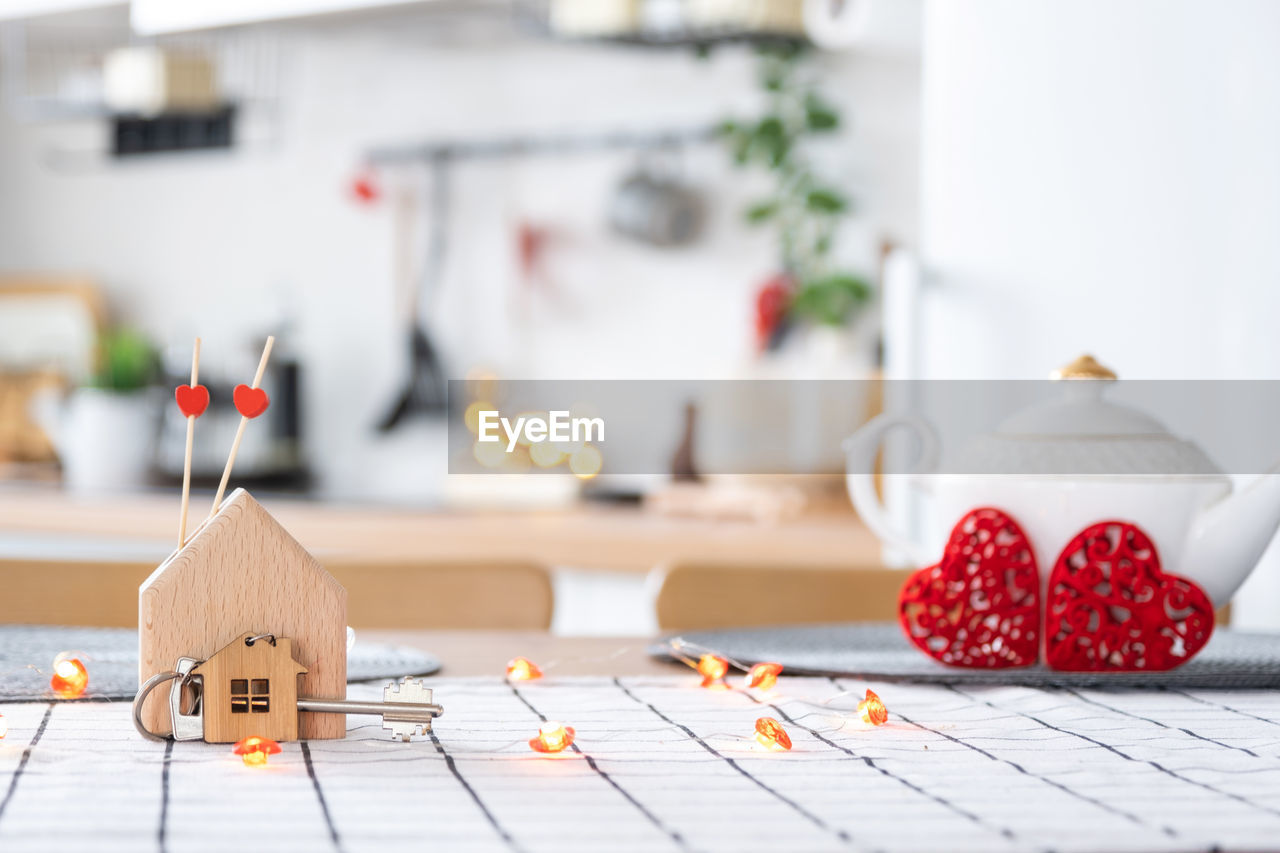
<point>226,245</point>
<point>1103,177</point>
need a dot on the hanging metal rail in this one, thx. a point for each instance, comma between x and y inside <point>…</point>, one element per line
<point>526,146</point>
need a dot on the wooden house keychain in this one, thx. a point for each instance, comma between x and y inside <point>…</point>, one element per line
<point>250,687</point>
<point>247,625</point>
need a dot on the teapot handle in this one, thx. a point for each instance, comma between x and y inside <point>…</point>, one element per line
<point>860,453</point>
<point>47,408</point>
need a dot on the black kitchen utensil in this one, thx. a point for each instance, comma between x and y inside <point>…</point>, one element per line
<point>425,390</point>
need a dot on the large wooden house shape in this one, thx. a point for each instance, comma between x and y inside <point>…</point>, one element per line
<point>241,572</point>
<point>250,687</point>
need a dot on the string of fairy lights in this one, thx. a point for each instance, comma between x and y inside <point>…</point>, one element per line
<point>554,736</point>
<point>69,680</point>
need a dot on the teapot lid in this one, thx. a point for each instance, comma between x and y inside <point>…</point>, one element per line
<point>1081,432</point>
<point>1084,367</point>
<point>1081,409</point>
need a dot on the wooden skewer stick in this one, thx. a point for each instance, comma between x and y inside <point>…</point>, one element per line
<point>235,445</point>
<point>186,465</point>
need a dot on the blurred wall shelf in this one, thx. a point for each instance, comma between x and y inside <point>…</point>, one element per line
<point>183,93</point>
<point>135,135</point>
<point>53,71</point>
<point>700,24</point>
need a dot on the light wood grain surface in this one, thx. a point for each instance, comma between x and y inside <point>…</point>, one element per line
<point>242,572</point>
<point>717,595</point>
<point>409,594</point>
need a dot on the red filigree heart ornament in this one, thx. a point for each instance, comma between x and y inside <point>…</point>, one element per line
<point>192,400</point>
<point>979,606</point>
<point>250,402</point>
<point>1111,607</point>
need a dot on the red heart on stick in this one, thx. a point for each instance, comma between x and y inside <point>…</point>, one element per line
<point>1112,608</point>
<point>979,606</point>
<point>192,399</point>
<point>250,402</point>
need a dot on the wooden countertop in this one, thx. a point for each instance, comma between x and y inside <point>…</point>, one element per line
<point>619,538</point>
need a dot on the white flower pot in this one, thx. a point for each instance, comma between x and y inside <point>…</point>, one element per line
<point>105,439</point>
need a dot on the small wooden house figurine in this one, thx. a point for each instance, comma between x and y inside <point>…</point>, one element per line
<point>240,574</point>
<point>250,687</point>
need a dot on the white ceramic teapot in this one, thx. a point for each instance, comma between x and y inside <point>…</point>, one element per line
<point>1119,460</point>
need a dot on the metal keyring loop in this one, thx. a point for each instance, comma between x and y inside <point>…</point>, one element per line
<point>270,638</point>
<point>143,692</point>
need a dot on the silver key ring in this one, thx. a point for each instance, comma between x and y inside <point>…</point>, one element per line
<point>143,692</point>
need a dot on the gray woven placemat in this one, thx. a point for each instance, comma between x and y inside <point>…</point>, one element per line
<point>111,656</point>
<point>880,652</point>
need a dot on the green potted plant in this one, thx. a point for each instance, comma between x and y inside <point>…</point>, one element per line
<point>806,308</point>
<point>810,287</point>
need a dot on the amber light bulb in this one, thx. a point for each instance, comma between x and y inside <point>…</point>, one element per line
<point>254,750</point>
<point>4,727</point>
<point>70,678</point>
<point>872,710</point>
<point>522,669</point>
<point>762,675</point>
<point>771,734</point>
<point>552,737</point>
<point>712,668</point>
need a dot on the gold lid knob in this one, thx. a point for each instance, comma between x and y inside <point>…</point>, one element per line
<point>1084,367</point>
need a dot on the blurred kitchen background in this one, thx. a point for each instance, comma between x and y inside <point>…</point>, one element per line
<point>407,191</point>
<point>271,234</point>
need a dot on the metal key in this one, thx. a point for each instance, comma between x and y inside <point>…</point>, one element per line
<point>406,708</point>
